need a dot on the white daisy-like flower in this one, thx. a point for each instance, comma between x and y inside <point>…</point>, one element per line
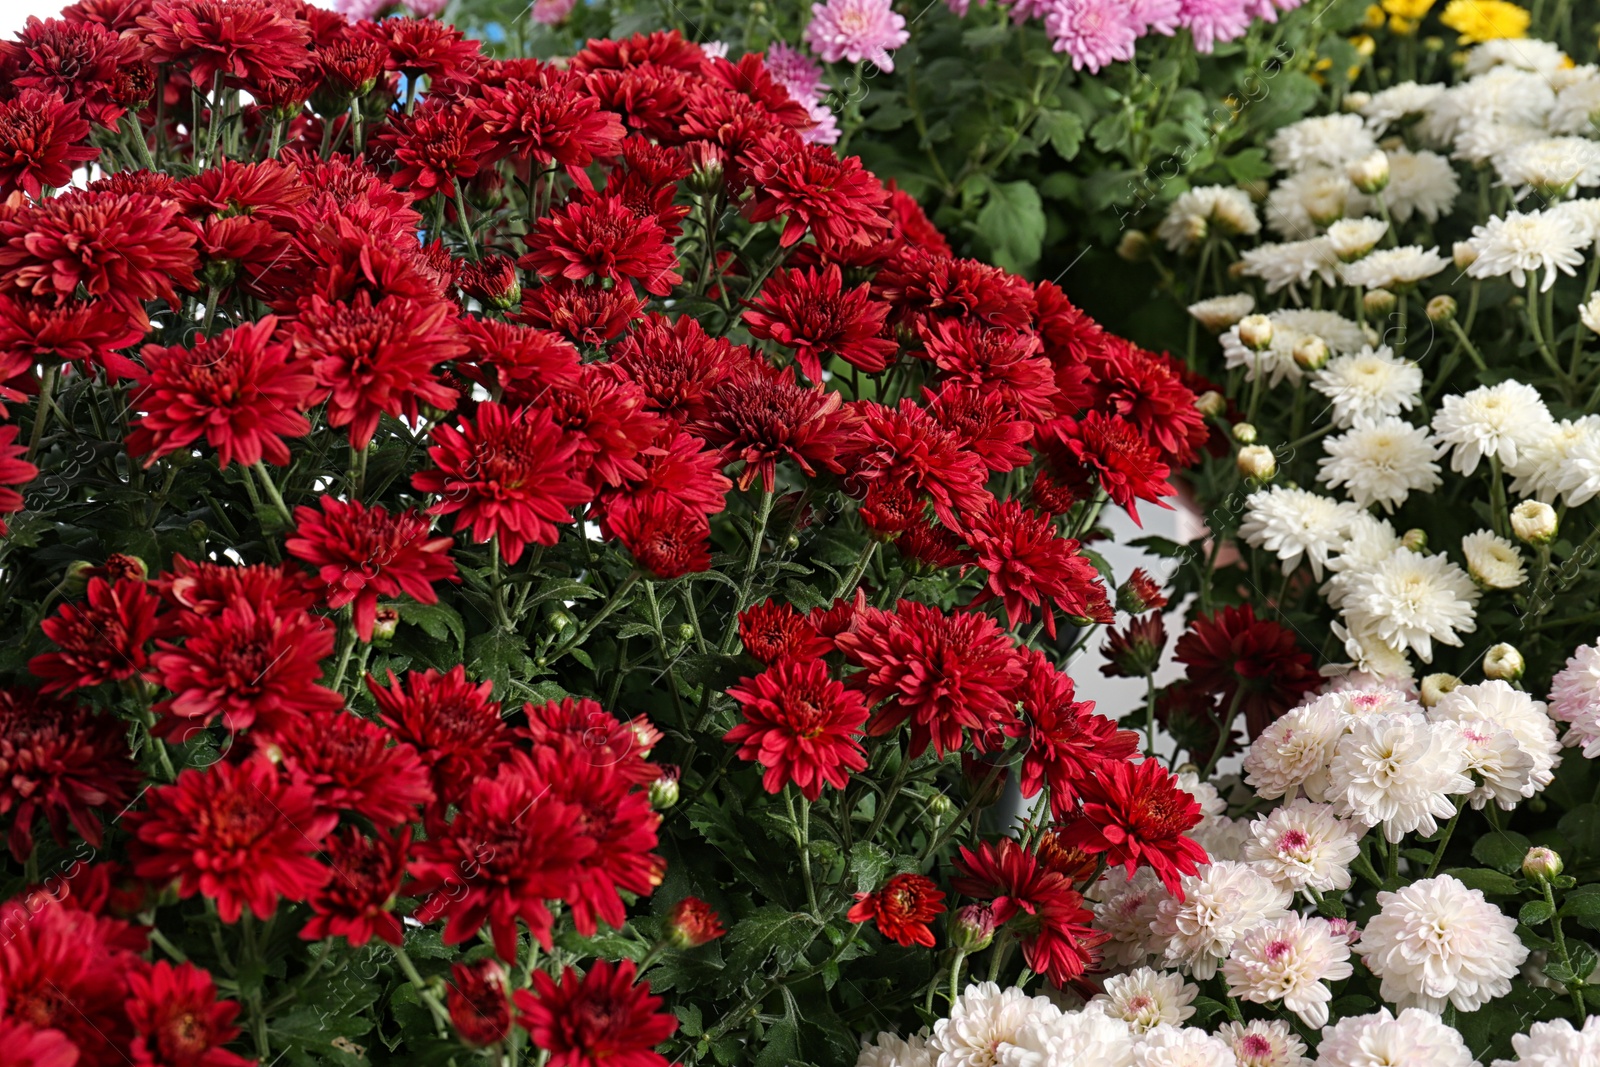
<point>1370,701</point>
<point>1187,1046</point>
<point>1222,838</point>
<point>1072,1037</point>
<point>1370,383</point>
<point>1576,105</point>
<point>1125,910</point>
<point>1552,167</point>
<point>1192,215</point>
<point>1544,464</point>
<point>1575,699</point>
<point>1323,141</point>
<point>1294,750</point>
<point>1521,244</point>
<point>1304,845</point>
<point>1307,201</point>
<point>1528,721</point>
<point>1220,312</point>
<point>1589,312</point>
<point>1578,478</point>
<point>1396,269</point>
<point>1524,53</point>
<point>1369,655</point>
<point>1422,183</point>
<point>1556,1044</point>
<point>1414,1038</point>
<point>1264,1043</point>
<point>1502,95</point>
<point>1381,461</point>
<point>1435,942</point>
<point>983,1022</point>
<point>1410,600</point>
<point>1282,266</point>
<point>1394,105</point>
<point>1484,143</point>
<point>1371,541</point>
<point>1399,771</point>
<point>1294,524</point>
<point>1204,793</point>
<point>1491,420</point>
<point>1145,999</point>
<point>1500,768</point>
<point>892,1050</point>
<point>1582,215</point>
<point>1353,238</point>
<point>1290,960</point>
<point>1219,904</point>
<point>1493,561</point>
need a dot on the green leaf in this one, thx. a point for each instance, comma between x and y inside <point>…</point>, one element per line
<point>781,1046</point>
<point>1491,882</point>
<point>499,656</point>
<point>1250,165</point>
<point>870,864</point>
<point>769,931</point>
<point>1582,904</point>
<point>563,589</point>
<point>1205,1008</point>
<point>440,621</point>
<point>1581,827</point>
<point>1012,224</point>
<point>1063,129</point>
<point>1502,850</point>
<point>1535,912</point>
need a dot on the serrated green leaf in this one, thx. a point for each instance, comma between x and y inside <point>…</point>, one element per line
<point>1063,130</point>
<point>439,621</point>
<point>1482,878</point>
<point>1502,850</point>
<point>563,589</point>
<point>870,864</point>
<point>1011,222</point>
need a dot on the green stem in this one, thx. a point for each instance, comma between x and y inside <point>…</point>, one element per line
<point>41,415</point>
<point>802,840</point>
<point>441,1016</point>
<point>260,467</point>
<point>848,584</point>
<point>758,533</point>
<point>1560,938</point>
<point>1223,733</point>
<point>611,605</point>
<point>1444,840</point>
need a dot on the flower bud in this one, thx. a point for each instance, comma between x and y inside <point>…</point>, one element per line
<point>1236,270</point>
<point>1211,403</point>
<point>1244,433</point>
<point>664,790</point>
<point>560,621</point>
<point>1435,686</point>
<point>1346,929</point>
<point>685,631</point>
<point>1503,662</point>
<point>940,804</point>
<point>477,996</point>
<point>78,574</point>
<point>1378,302</point>
<point>1134,246</point>
<point>1140,593</point>
<point>1441,309</point>
<point>692,923</point>
<point>1255,332</point>
<point>1220,312</point>
<point>1311,353</point>
<point>1354,102</point>
<point>385,621</point>
<point>1257,463</point>
<point>491,281</point>
<point>982,780</point>
<point>1542,864</point>
<point>1534,522</point>
<point>1135,651</point>
<point>1370,173</point>
<point>1464,255</point>
<point>972,928</point>
<point>709,168</point>
<point>645,735</point>
<point>1415,540</point>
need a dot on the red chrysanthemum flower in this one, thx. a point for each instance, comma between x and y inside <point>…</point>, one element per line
<point>178,1020</point>
<point>351,766</point>
<point>125,249</point>
<point>584,314</point>
<point>1134,385</point>
<point>1031,566</point>
<point>911,224</point>
<point>1052,494</point>
<point>945,673</point>
<point>1140,593</point>
<point>814,315</point>
<point>924,288</point>
<point>441,144</point>
<point>101,640</point>
<point>676,363</point>
<point>663,536</point>
<point>501,835</point>
<point>601,1017</point>
<point>582,730</point>
<point>363,553</point>
<point>801,725</point>
<point>238,834</point>
<point>765,417</point>
<point>521,361</point>
<point>837,200</point>
<point>928,548</point>
<point>1136,815</point>
<point>29,1046</point>
<point>249,664</point>
<point>452,723</point>
<point>492,281</point>
<point>239,390</point>
<point>549,118</point>
<point>983,423</point>
<point>42,138</point>
<point>1135,650</point>
<point>1052,924</point>
<point>377,358</point>
<point>1067,741</point>
<point>692,923</point>
<point>479,1002</point>
<point>1254,662</point>
<point>677,470</point>
<point>357,900</point>
<point>423,46</point>
<point>1004,362</point>
<point>77,61</point>
<point>205,589</point>
<point>506,474</point>
<point>902,907</point>
<point>241,40</point>
<point>83,332</point>
<point>1111,451</point>
<point>600,238</point>
<point>773,631</point>
<point>903,445</point>
<point>610,419</point>
<point>14,472</point>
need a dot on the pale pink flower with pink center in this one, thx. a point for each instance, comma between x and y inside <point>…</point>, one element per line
<point>552,12</point>
<point>1095,33</point>
<point>856,30</point>
<point>1214,22</point>
<point>795,71</point>
<point>825,125</point>
<point>1023,10</point>
<point>1155,16</point>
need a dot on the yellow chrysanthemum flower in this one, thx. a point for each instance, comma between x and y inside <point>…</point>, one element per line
<point>1374,17</point>
<point>1485,20</point>
<point>1410,10</point>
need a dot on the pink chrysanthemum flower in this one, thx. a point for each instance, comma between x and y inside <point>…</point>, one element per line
<point>856,30</point>
<point>1095,33</point>
<point>1157,16</point>
<point>1023,10</point>
<point>795,71</point>
<point>1213,22</point>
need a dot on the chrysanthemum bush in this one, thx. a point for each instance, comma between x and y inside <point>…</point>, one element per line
<point>519,562</point>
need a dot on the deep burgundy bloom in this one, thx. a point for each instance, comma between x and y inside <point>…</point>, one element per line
<point>601,1017</point>
<point>1110,451</point>
<point>837,200</point>
<point>29,1046</point>
<point>239,834</point>
<point>442,143</point>
<point>773,631</point>
<point>1255,661</point>
<point>1136,386</point>
<point>1067,741</point>
<point>983,422</point>
<point>77,61</point>
<point>42,138</point>
<point>1052,924</point>
<point>84,332</point>
<point>62,761</point>
<point>585,314</point>
<point>422,46</point>
<point>601,238</point>
<point>549,118</point>
<point>945,673</point>
<point>814,315</point>
<point>1005,362</point>
<point>104,639</point>
<point>1031,566</point>
<point>242,40</point>
<point>767,416</point>
<point>351,765</point>
<point>902,907</point>
<point>666,538</point>
<point>903,445</point>
<point>357,900</point>
<point>925,287</point>
<point>801,725</point>
<point>676,363</point>
<point>14,472</point>
<point>178,1019</point>
<point>239,390</point>
<point>1137,815</point>
<point>692,923</point>
<point>506,474</point>
<point>479,1002</point>
<point>363,553</point>
<point>1135,650</point>
<point>452,723</point>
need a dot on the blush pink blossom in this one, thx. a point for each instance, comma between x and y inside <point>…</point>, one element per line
<point>552,12</point>
<point>1214,22</point>
<point>1095,33</point>
<point>1155,16</point>
<point>856,30</point>
<point>795,71</point>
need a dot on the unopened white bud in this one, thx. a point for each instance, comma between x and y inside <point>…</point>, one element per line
<point>1534,522</point>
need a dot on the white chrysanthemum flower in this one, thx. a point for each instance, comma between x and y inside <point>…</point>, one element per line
<point>1073,1037</point>
<point>1552,167</point>
<point>1371,541</point>
<point>1484,143</point>
<point>1556,1044</point>
<point>1522,244</point>
<point>1578,478</point>
<point>1435,942</point>
<point>1192,215</point>
<point>1399,771</point>
<point>1125,910</point>
<point>1491,420</point>
<point>1371,383</point>
<point>1493,561</point>
<point>1187,1046</point>
<point>1146,998</point>
<point>1290,959</point>
<point>1544,464</point>
<point>1306,202</point>
<point>1414,1038</point>
<point>1222,838</point>
<point>1575,699</point>
<point>1281,266</point>
<point>1323,141</point>
<point>1264,1043</point>
<point>1420,183</point>
<point>1502,771</point>
<point>1589,312</point>
<point>1396,269</point>
<point>1410,600</point>
<point>1371,700</point>
<point>1397,103</point>
<point>1220,312</point>
<point>1369,656</point>
<point>1577,103</point>
<point>1502,95</point>
<point>892,1050</point>
<point>1204,793</point>
<point>1296,523</point>
<point>1353,238</point>
<point>1219,904</point>
<point>1304,845</point>
<point>983,1022</point>
<point>1582,215</point>
<point>1524,53</point>
<point>1528,721</point>
<point>1381,461</point>
<point>1294,750</point>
